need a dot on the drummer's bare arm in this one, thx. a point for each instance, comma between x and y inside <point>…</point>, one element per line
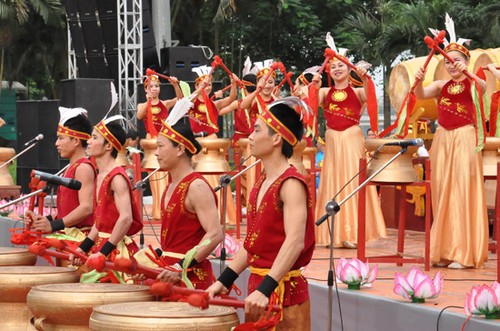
<point>248,101</point>
<point>175,84</point>
<point>123,202</point>
<point>232,95</point>
<point>493,69</point>
<point>238,264</point>
<point>141,110</point>
<point>232,107</point>
<point>200,199</point>
<point>430,91</point>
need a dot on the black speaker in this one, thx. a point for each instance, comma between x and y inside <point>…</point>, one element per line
<point>149,54</point>
<point>92,94</point>
<point>179,61</point>
<point>33,118</point>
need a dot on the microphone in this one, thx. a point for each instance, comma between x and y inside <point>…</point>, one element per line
<point>57,180</point>
<point>34,140</point>
<point>201,134</point>
<point>405,143</point>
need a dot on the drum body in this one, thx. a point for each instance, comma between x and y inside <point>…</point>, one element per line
<point>212,158</point>
<point>154,316</point>
<point>68,306</point>
<point>401,170</point>
<point>14,256</point>
<point>15,284</point>
<point>5,155</point>
<point>296,159</point>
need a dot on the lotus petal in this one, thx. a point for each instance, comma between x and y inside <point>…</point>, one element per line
<point>400,290</point>
<point>438,282</point>
<point>402,281</point>
<point>485,300</point>
<point>425,289</point>
<point>350,275</point>
<point>372,275</point>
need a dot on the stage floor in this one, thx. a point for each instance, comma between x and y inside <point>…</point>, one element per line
<point>378,308</point>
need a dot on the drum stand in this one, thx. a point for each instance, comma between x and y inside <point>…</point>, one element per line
<point>332,208</point>
<point>225,180</point>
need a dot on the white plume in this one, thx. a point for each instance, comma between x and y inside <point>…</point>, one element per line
<point>247,66</point>
<point>435,33</point>
<point>67,113</point>
<point>202,70</point>
<point>462,41</point>
<point>330,42</point>
<point>179,111</point>
<point>450,27</point>
<point>311,70</point>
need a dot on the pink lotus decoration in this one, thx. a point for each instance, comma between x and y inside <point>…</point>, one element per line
<point>416,286</point>
<point>355,273</point>
<point>231,245</point>
<point>483,300</point>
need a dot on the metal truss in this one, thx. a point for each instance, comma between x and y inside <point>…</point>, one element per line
<point>129,55</point>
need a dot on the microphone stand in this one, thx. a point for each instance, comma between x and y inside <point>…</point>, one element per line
<point>225,180</point>
<point>332,208</point>
<point>139,186</point>
<point>18,155</point>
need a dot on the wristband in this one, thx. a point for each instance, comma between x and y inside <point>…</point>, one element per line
<point>49,217</point>
<point>86,244</point>
<point>158,252</point>
<point>107,248</point>
<point>227,277</point>
<point>267,286</point>
<point>57,225</point>
<point>193,263</point>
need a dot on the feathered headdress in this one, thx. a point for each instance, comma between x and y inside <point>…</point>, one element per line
<point>264,67</point>
<point>453,44</point>
<point>102,127</point>
<point>69,113</point>
<point>331,43</point>
<point>299,106</point>
<point>176,114</point>
<point>312,70</point>
<point>202,72</point>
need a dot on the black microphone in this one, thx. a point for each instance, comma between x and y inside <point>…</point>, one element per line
<point>201,134</point>
<point>405,143</point>
<point>57,180</point>
<point>34,140</point>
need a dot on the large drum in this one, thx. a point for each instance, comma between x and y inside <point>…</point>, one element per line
<point>212,158</point>
<point>13,256</point>
<point>491,156</point>
<point>16,282</point>
<point>296,159</point>
<point>403,77</point>
<point>401,170</point>
<point>5,155</point>
<point>154,316</point>
<point>69,306</point>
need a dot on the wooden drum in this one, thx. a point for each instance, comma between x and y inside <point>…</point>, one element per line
<point>13,256</point>
<point>68,306</point>
<point>16,282</point>
<point>401,170</point>
<point>296,159</point>
<point>154,316</point>
<point>5,155</point>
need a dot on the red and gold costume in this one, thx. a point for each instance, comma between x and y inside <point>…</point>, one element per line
<point>243,126</point>
<point>181,230</point>
<point>67,199</point>
<point>203,118</point>
<point>266,235</point>
<point>106,214</point>
<point>159,112</point>
<point>345,146</point>
<point>460,229</point>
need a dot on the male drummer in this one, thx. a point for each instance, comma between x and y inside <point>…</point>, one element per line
<point>116,214</point>
<point>189,210</point>
<point>74,208</point>
<point>280,237</point>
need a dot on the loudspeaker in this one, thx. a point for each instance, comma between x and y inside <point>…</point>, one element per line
<point>33,118</point>
<point>92,94</point>
<point>149,54</point>
<point>178,61</point>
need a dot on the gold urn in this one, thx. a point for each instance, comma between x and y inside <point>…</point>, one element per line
<point>69,306</point>
<point>491,156</point>
<point>154,316</point>
<point>5,155</point>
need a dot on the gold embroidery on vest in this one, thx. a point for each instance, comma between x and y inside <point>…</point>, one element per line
<point>445,102</point>
<point>339,96</point>
<point>456,88</point>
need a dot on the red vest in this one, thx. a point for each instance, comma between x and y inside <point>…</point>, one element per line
<point>159,112</point>
<point>342,108</point>
<point>201,120</point>
<point>266,234</point>
<point>455,105</point>
<point>181,230</point>
<point>67,199</point>
<point>105,212</point>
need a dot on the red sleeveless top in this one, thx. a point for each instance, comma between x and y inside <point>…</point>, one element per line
<point>455,105</point>
<point>159,112</point>
<point>342,108</point>
<point>201,120</point>
<point>67,199</point>
<point>181,230</point>
<point>266,234</point>
<point>105,212</point>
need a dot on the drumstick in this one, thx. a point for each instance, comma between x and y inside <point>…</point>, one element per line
<point>429,41</point>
